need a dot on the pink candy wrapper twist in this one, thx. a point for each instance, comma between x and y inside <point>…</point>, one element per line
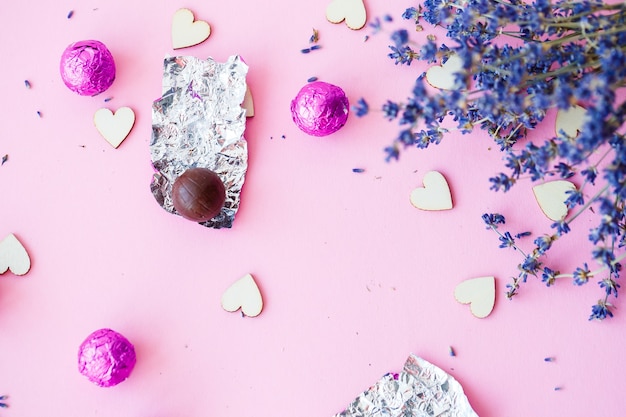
<point>87,68</point>
<point>106,358</point>
<point>320,108</point>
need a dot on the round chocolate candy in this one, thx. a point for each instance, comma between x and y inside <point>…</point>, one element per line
<point>87,67</point>
<point>106,358</point>
<point>320,108</point>
<point>198,194</point>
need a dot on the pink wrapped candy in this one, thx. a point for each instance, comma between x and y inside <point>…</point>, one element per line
<point>320,108</point>
<point>87,67</point>
<point>106,358</point>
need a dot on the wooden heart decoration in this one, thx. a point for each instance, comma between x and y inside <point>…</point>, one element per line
<point>114,127</point>
<point>443,76</point>
<point>244,294</point>
<point>551,197</point>
<point>13,256</point>
<point>570,121</point>
<point>435,195</point>
<point>479,293</point>
<point>187,32</point>
<point>248,103</point>
<point>352,11</point>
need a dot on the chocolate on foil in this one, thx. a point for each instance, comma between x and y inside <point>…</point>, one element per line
<point>198,194</point>
<point>106,358</point>
<point>320,108</point>
<point>420,390</point>
<point>87,67</point>
<point>199,123</point>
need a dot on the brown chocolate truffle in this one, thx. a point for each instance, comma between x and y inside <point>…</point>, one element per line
<point>198,194</point>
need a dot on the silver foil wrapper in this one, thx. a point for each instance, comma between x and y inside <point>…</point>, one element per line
<point>199,122</point>
<point>420,390</point>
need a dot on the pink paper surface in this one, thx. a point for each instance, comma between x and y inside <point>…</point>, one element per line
<point>353,277</point>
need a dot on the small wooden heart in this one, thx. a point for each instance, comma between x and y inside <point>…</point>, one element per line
<point>352,11</point>
<point>114,127</point>
<point>244,294</point>
<point>444,76</point>
<point>248,103</point>
<point>435,195</point>
<point>551,197</point>
<point>187,32</point>
<point>13,256</point>
<point>479,293</point>
<point>570,121</point>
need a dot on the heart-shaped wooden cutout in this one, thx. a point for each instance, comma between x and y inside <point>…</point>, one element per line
<point>114,127</point>
<point>551,197</point>
<point>13,256</point>
<point>435,195</point>
<point>479,293</point>
<point>244,294</point>
<point>248,103</point>
<point>352,11</point>
<point>187,32</point>
<point>570,121</point>
<point>443,76</point>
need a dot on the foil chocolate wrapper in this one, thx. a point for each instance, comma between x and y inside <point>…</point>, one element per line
<point>87,67</point>
<point>106,358</point>
<point>420,390</point>
<point>320,108</point>
<point>199,123</point>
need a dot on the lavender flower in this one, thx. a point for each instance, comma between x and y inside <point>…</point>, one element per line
<point>573,52</point>
<point>361,108</point>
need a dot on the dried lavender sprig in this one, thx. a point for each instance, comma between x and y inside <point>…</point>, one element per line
<point>573,52</point>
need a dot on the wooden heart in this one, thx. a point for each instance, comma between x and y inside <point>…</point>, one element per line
<point>551,197</point>
<point>435,195</point>
<point>443,76</point>
<point>13,256</point>
<point>570,121</point>
<point>187,32</point>
<point>248,103</point>
<point>114,127</point>
<point>244,294</point>
<point>479,293</point>
<point>352,11</point>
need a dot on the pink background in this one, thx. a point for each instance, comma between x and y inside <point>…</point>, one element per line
<point>354,278</point>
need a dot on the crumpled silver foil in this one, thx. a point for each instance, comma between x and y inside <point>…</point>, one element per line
<point>420,390</point>
<point>199,122</point>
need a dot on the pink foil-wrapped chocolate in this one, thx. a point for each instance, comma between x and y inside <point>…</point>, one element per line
<point>87,67</point>
<point>106,358</point>
<point>320,108</point>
